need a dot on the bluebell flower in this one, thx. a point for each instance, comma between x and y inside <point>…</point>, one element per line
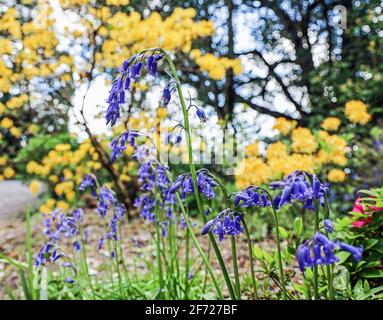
<point>107,199</point>
<point>152,63</point>
<point>201,115</point>
<point>76,246</point>
<point>57,227</point>
<point>100,243</point>
<point>78,214</point>
<point>166,96</point>
<point>227,222</point>
<point>178,139</point>
<point>135,71</point>
<point>69,280</point>
<point>115,98</point>
<point>89,181</point>
<point>303,187</point>
<point>169,138</point>
<point>146,204</point>
<point>355,251</point>
<point>67,265</point>
<point>144,154</point>
<point>55,256</point>
<point>205,184</point>
<point>328,225</point>
<point>118,145</point>
<point>320,250</point>
<point>251,197</point>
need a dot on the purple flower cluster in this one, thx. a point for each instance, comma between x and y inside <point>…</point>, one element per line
<point>328,226</point>
<point>227,222</point>
<point>253,197</point>
<point>303,187</point>
<point>89,181</point>
<point>205,184</point>
<point>320,250</point>
<point>118,144</point>
<point>56,227</point>
<point>107,201</point>
<point>130,70</point>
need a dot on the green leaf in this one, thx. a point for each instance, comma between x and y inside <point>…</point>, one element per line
<point>342,256</point>
<point>257,252</point>
<point>372,273</point>
<point>298,226</point>
<point>342,278</point>
<point>358,289</point>
<point>368,244</point>
<point>282,231</point>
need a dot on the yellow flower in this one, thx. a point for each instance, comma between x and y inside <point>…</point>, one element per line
<point>252,171</point>
<point>330,124</point>
<point>62,205</point>
<point>284,126</point>
<point>276,150</point>
<point>6,123</point>
<point>70,195</point>
<point>336,175</point>
<point>34,187</point>
<point>15,132</point>
<point>161,113</point>
<point>3,160</point>
<point>356,112</point>
<point>8,173</point>
<point>62,147</point>
<point>44,209</point>
<point>303,141</point>
<point>52,178</point>
<point>252,150</point>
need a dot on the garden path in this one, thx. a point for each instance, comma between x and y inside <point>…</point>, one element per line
<point>15,198</point>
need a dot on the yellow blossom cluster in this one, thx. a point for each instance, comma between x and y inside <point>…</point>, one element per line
<point>6,171</point>
<point>63,169</point>
<point>304,150</point>
<point>336,175</point>
<point>331,123</point>
<point>28,54</point>
<point>216,67</point>
<point>122,34</point>
<point>27,50</point>
<point>356,111</point>
<point>284,126</point>
<point>303,140</point>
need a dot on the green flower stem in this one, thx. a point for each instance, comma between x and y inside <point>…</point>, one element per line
<point>198,247</point>
<point>116,258</point>
<point>28,240</point>
<point>194,175</point>
<point>85,264</point>
<point>329,268</point>
<point>281,275</point>
<point>250,246</point>
<point>233,244</point>
<point>158,254</point>
<point>235,267</point>
<point>315,273</point>
<point>187,264</point>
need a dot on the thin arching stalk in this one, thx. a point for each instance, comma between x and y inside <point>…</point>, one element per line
<point>280,265</point>
<point>315,271</point>
<point>250,247</point>
<point>194,175</point>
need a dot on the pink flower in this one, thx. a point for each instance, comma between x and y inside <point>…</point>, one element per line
<point>358,207</point>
